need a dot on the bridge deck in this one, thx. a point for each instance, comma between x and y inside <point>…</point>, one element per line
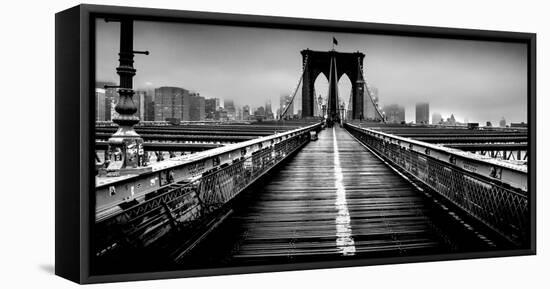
<point>334,198</point>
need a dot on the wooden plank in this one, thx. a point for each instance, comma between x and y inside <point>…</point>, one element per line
<point>322,205</point>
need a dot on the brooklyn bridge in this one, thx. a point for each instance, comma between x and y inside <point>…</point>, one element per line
<point>327,187</point>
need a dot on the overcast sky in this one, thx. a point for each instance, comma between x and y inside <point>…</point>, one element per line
<point>477,80</point>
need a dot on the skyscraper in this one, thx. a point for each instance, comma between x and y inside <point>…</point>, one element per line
<point>197,109</point>
<point>394,113</point>
<point>149,106</point>
<point>230,109</point>
<point>111,99</point>
<point>246,112</point>
<point>139,100</point>
<point>211,105</point>
<point>100,104</point>
<point>284,101</point>
<point>172,103</point>
<point>259,114</point>
<point>423,113</point>
<point>268,110</point>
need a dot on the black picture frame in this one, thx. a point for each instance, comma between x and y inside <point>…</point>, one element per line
<point>74,59</point>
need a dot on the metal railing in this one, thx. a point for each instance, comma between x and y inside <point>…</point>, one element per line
<point>181,204</point>
<point>492,191</point>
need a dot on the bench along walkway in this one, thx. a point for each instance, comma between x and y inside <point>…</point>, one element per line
<point>332,200</point>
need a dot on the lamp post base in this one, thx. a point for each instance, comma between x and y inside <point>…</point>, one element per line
<point>125,154</point>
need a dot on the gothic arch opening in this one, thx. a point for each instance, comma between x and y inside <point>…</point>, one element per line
<point>321,90</point>
<point>345,94</point>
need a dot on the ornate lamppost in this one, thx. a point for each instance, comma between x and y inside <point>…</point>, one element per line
<point>126,154</point>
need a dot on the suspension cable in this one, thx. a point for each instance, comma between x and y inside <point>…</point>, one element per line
<point>366,88</point>
<point>283,114</point>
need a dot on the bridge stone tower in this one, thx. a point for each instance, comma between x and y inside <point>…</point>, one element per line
<point>316,62</point>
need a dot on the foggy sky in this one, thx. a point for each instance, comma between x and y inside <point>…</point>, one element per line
<point>478,80</point>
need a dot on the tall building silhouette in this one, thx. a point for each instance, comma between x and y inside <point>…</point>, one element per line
<point>149,105</point>
<point>229,107</point>
<point>246,112</point>
<point>197,109</point>
<point>268,110</point>
<point>108,104</point>
<point>140,101</point>
<point>423,113</point>
<point>172,103</point>
<point>394,113</point>
<point>100,104</point>
<point>211,105</point>
<point>284,101</point>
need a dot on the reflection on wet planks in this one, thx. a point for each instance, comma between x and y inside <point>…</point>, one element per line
<point>334,199</point>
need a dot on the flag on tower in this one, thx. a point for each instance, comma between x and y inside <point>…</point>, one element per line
<point>334,41</point>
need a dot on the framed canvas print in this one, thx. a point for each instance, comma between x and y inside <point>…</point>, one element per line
<point>193,144</point>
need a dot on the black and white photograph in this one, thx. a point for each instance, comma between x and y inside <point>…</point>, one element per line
<point>225,146</point>
<point>275,144</point>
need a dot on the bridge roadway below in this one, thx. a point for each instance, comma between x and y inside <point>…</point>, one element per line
<point>334,199</point>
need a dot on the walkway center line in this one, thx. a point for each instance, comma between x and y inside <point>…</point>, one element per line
<point>344,240</point>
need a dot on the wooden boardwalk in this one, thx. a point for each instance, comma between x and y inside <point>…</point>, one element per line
<point>332,200</point>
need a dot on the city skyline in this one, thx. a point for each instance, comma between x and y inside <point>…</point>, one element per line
<point>481,81</point>
<point>174,104</point>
